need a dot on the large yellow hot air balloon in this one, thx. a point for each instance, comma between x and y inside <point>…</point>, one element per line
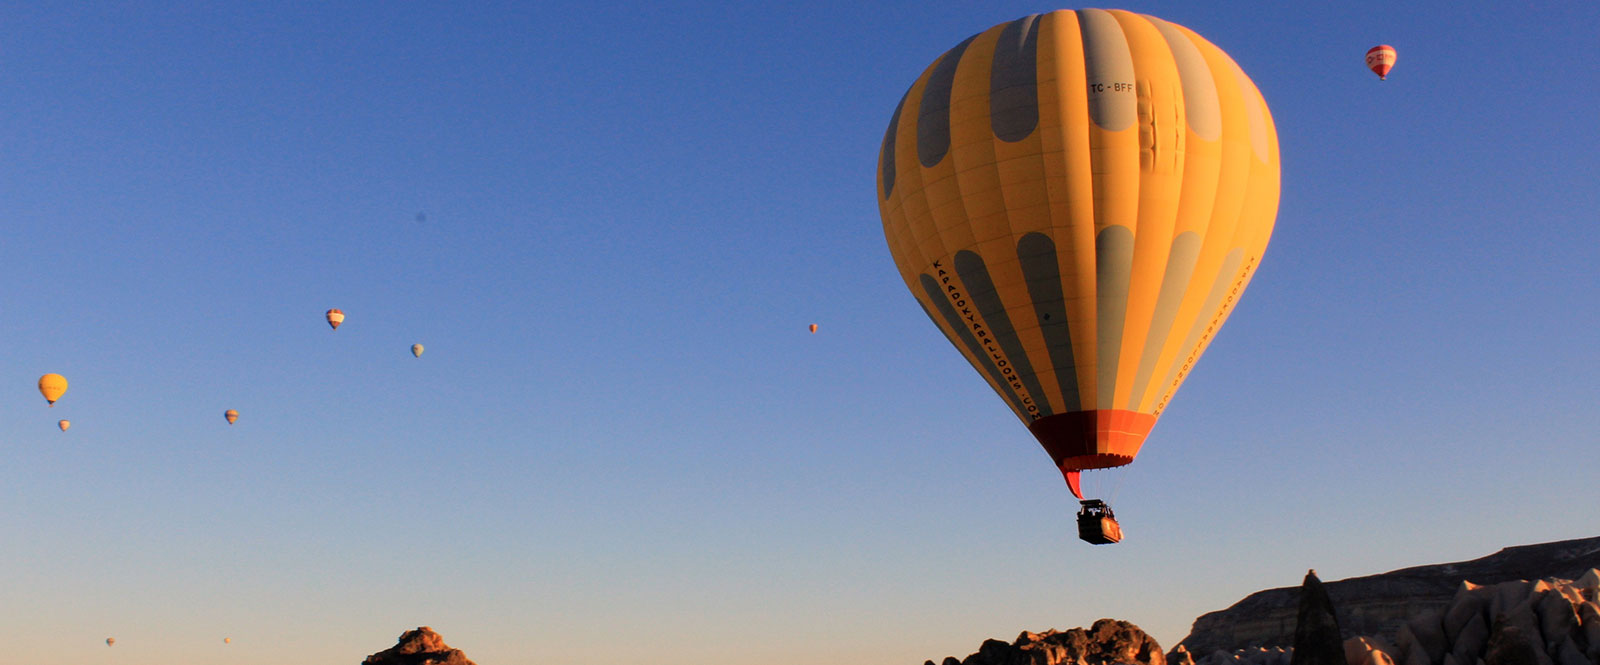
<point>335,317</point>
<point>231,416</point>
<point>1077,200</point>
<point>52,386</point>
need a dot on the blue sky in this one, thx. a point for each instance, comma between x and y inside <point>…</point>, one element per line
<point>621,442</point>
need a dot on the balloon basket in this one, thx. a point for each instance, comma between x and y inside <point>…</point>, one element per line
<point>1097,525</point>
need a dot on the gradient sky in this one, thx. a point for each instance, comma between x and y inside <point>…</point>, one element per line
<point>610,226</point>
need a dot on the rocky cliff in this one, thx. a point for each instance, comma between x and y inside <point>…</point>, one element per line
<point>419,647</point>
<point>1379,605</point>
<point>1518,622</point>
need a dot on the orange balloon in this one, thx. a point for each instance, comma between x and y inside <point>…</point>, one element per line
<point>64,425</point>
<point>813,328</point>
<point>231,415</point>
<point>1380,59</point>
<point>335,317</point>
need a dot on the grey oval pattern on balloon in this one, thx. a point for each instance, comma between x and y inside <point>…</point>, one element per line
<point>1181,259</point>
<point>1254,110</point>
<point>935,293</point>
<point>986,299</point>
<point>1201,107</point>
<point>1220,284</point>
<point>1113,254</point>
<point>1014,81</point>
<point>933,112</point>
<point>1107,62</point>
<point>1036,253</point>
<point>886,154</point>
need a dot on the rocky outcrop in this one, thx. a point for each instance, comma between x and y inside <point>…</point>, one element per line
<point>1380,605</point>
<point>419,647</point>
<point>1107,642</point>
<point>1540,622</point>
<point>1518,622</point>
<point>1316,630</point>
<point>1248,656</point>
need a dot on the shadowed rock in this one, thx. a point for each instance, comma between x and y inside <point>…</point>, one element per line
<point>1509,645</point>
<point>1379,605</point>
<point>419,647</point>
<point>1316,633</point>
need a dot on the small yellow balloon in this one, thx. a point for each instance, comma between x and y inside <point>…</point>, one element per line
<point>51,386</point>
<point>64,425</point>
<point>231,415</point>
<point>416,350</point>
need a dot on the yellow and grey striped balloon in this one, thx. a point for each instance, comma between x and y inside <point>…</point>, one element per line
<point>1077,200</point>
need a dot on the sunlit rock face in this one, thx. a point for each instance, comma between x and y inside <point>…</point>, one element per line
<point>1107,642</point>
<point>419,647</point>
<point>1542,622</point>
<point>1382,605</point>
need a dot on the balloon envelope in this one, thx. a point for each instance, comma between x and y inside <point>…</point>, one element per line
<point>64,425</point>
<point>110,641</point>
<point>335,317</point>
<point>1380,59</point>
<point>52,386</point>
<point>1077,199</point>
<point>416,350</point>
<point>813,328</point>
<point>231,415</point>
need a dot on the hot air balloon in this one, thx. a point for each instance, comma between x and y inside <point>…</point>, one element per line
<point>1380,59</point>
<point>110,641</point>
<point>416,350</point>
<point>335,317</point>
<point>1077,199</point>
<point>231,415</point>
<point>813,328</point>
<point>64,425</point>
<point>227,640</point>
<point>52,386</point>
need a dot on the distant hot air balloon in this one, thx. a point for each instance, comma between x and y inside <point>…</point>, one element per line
<point>335,317</point>
<point>64,425</point>
<point>110,641</point>
<point>416,350</point>
<point>51,386</point>
<point>227,640</point>
<point>231,415</point>
<point>813,328</point>
<point>1077,199</point>
<point>1380,59</point>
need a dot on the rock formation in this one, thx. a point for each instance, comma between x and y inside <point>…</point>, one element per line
<point>1107,642</point>
<point>1517,622</point>
<point>1316,630</point>
<point>419,647</point>
<point>1480,612</point>
<point>1379,605</point>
